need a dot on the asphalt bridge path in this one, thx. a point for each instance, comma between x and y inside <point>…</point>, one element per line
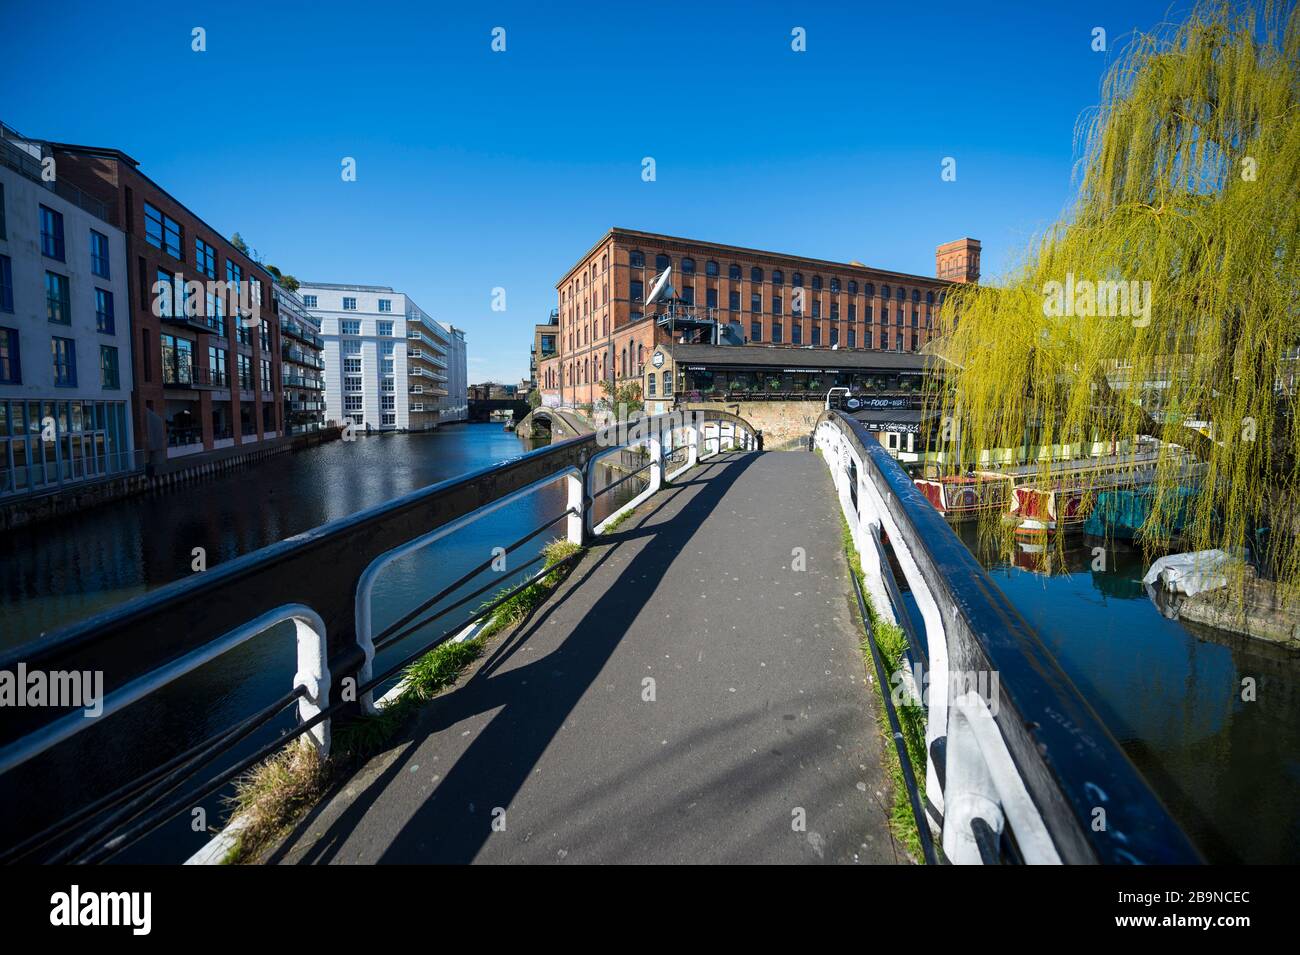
<point>761,716</point>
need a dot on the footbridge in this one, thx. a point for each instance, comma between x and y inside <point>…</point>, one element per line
<point>694,690</point>
<point>555,422</point>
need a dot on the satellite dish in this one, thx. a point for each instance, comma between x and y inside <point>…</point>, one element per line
<point>661,288</point>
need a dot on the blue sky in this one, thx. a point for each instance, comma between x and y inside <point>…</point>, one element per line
<point>478,169</point>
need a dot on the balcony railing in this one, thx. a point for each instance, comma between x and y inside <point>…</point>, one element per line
<point>27,165</point>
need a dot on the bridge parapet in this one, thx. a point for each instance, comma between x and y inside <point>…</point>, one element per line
<point>318,585</point>
<point>1019,767</point>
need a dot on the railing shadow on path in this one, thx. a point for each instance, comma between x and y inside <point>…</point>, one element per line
<point>500,759</point>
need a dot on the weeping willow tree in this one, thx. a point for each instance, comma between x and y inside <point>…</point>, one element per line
<point>1161,311</point>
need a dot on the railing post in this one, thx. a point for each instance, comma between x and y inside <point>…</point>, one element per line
<point>655,445</point>
<point>577,505</point>
<point>693,440</point>
<point>314,676</point>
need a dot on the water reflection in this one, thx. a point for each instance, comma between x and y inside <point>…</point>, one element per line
<point>1171,693</point>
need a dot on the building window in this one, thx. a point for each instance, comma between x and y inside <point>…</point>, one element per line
<point>352,366</point>
<point>636,259</point>
<point>929,298</point>
<point>778,277</point>
<point>756,302</point>
<point>661,262</point>
<point>756,274</point>
<point>711,268</point>
<point>384,329</point>
<point>3,233</point>
<point>387,402</point>
<point>853,337</point>
<point>52,234</point>
<point>177,360</point>
<point>217,366</point>
<point>835,310</point>
<point>349,305</point>
<point>817,333</point>
<point>884,292</point>
<point>245,365</point>
<point>350,326</point>
<point>776,333</point>
<point>309,301</point>
<point>266,374</point>
<point>776,305</point>
<point>6,284</point>
<point>108,367</point>
<point>853,312</point>
<point>797,280</point>
<point>58,308</point>
<point>902,294</point>
<point>63,351</point>
<point>869,289</point>
<point>10,367</point>
<point>796,333</point>
<point>835,286</point>
<point>162,232</point>
<point>733,272</point>
<point>733,300</point>
<point>668,385</point>
<point>711,298</point>
<point>853,287</point>
<point>688,266</point>
<point>650,383</point>
<point>638,290</point>
<point>99,254</point>
<point>916,296</point>
<point>817,283</point>
<point>817,308</point>
<point>688,294</point>
<point>385,304</point>
<point>755,331</point>
<point>104,318</point>
<point>835,334</point>
<point>205,258</point>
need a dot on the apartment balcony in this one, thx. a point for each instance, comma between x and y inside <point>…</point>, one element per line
<point>416,335</point>
<point>416,354</point>
<point>196,323</point>
<point>292,380</point>
<point>196,379</point>
<point>302,333</point>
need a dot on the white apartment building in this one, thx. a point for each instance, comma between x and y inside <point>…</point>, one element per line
<point>65,337</point>
<point>388,364</point>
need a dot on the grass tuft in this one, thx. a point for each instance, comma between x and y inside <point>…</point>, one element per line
<point>892,642</point>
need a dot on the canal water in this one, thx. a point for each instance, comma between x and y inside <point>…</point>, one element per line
<point>1172,695</point>
<point>61,572</point>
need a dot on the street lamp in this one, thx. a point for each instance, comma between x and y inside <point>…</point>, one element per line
<point>832,391</point>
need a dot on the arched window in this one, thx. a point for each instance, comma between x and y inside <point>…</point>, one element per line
<point>916,296</point>
<point>884,291</point>
<point>797,280</point>
<point>869,289</point>
<point>835,285</point>
<point>688,266</point>
<point>902,294</point>
<point>853,287</point>
<point>661,262</point>
<point>604,262</point>
<point>778,277</point>
<point>817,283</point>
<point>640,358</point>
<point>733,272</point>
<point>624,363</point>
<point>637,259</point>
<point>929,298</point>
<point>756,274</point>
<point>711,268</point>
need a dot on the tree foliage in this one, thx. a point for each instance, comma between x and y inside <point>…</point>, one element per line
<point>1187,180</point>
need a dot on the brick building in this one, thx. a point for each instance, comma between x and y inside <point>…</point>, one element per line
<point>203,378</point>
<point>728,295</point>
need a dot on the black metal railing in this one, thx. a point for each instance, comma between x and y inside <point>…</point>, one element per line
<point>319,580</point>
<point>1048,743</point>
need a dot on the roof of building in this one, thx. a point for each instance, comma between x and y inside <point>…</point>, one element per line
<point>774,355</point>
<point>748,252</point>
<point>346,287</point>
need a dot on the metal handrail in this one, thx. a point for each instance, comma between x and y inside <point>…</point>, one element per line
<point>1055,746</point>
<point>247,596</point>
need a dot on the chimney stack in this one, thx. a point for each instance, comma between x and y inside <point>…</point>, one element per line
<point>958,261</point>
